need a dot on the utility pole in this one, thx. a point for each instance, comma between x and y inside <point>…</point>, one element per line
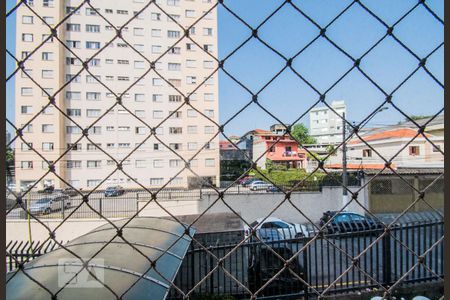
<point>344,163</point>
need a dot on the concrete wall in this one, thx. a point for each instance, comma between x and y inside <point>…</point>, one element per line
<point>249,206</point>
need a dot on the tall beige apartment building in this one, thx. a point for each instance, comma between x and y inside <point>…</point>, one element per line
<point>147,99</point>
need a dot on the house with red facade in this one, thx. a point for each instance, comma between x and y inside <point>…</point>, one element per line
<point>271,146</point>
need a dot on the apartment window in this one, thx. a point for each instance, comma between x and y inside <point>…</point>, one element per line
<point>72,10</point>
<point>173,34</point>
<point>173,18</point>
<point>192,146</point>
<point>73,112</point>
<point>94,163</point>
<point>190,46</point>
<point>90,11</point>
<point>123,78</point>
<point>124,145</point>
<point>26,72</point>
<point>192,30</point>
<point>95,96</point>
<point>110,145</point>
<point>26,165</point>
<point>207,31</point>
<point>190,63</point>
<point>139,64</point>
<point>156,32</point>
<point>208,16</point>
<point>173,2</point>
<point>191,113</point>
<point>174,67</point>
<point>47,38</point>
<point>189,13</point>
<point>138,31</point>
<point>209,81</point>
<point>48,20</point>
<point>140,113</point>
<point>122,12</point>
<point>26,91</point>
<point>156,146</point>
<point>95,130</point>
<point>176,114</point>
<point>123,128</point>
<point>155,16</point>
<point>95,62</point>
<point>109,128</point>
<point>193,163</point>
<point>92,45</point>
<point>209,113</point>
<point>209,162</point>
<point>414,150</point>
<point>139,163</point>
<point>27,19</point>
<point>73,164</point>
<point>123,62</point>
<point>175,130</point>
<point>207,47</point>
<point>175,50</point>
<point>26,109</point>
<point>140,130</point>
<point>74,147</point>
<point>157,82</point>
<point>174,163</point>
<point>208,97</point>
<point>139,47</point>
<point>192,129</point>
<point>47,3</point>
<point>93,113</point>
<point>73,129</point>
<point>158,114</point>
<point>367,153</point>
<point>156,49</point>
<point>92,28</point>
<point>139,97</point>
<point>73,27</point>
<point>73,44</point>
<point>108,11</point>
<point>208,64</point>
<point>209,129</point>
<point>25,54</point>
<point>175,82</point>
<point>160,131</point>
<point>157,98</point>
<point>70,95</point>
<point>175,146</point>
<point>27,37</point>
<point>47,110</point>
<point>191,79</point>
<point>73,61</point>
<point>47,146</point>
<point>174,98</point>
<point>93,147</point>
<point>93,182</point>
<point>156,181</point>
<point>158,163</point>
<point>26,147</point>
<point>47,128</point>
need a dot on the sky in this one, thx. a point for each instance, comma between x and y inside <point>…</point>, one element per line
<point>321,64</point>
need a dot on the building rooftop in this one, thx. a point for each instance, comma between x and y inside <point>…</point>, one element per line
<point>387,134</point>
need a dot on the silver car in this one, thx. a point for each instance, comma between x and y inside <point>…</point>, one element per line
<point>51,203</point>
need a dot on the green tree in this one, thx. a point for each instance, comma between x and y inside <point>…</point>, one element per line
<point>9,156</point>
<point>301,134</point>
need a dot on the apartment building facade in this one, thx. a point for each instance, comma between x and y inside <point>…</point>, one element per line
<point>325,125</point>
<point>110,88</point>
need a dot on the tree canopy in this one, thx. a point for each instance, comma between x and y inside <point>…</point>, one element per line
<point>301,134</point>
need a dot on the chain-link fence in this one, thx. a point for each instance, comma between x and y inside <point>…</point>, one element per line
<point>56,46</point>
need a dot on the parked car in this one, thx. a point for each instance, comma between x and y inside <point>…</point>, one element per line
<point>273,189</point>
<point>114,191</point>
<point>242,180</point>
<point>51,203</point>
<point>286,230</point>
<point>259,185</point>
<point>249,181</point>
<point>47,189</point>
<point>348,222</point>
<point>71,192</point>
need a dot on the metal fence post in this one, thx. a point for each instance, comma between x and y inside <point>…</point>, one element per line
<point>100,205</point>
<point>137,202</point>
<point>386,257</point>
<point>305,271</point>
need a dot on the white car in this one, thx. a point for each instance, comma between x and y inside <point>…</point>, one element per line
<point>284,230</point>
<point>259,185</point>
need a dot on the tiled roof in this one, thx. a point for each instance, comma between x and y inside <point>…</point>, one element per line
<point>388,134</point>
<point>358,166</point>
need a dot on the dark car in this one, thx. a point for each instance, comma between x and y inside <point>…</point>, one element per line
<point>348,222</point>
<point>47,190</point>
<point>71,192</point>
<point>114,191</point>
<point>249,181</point>
<point>273,189</point>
